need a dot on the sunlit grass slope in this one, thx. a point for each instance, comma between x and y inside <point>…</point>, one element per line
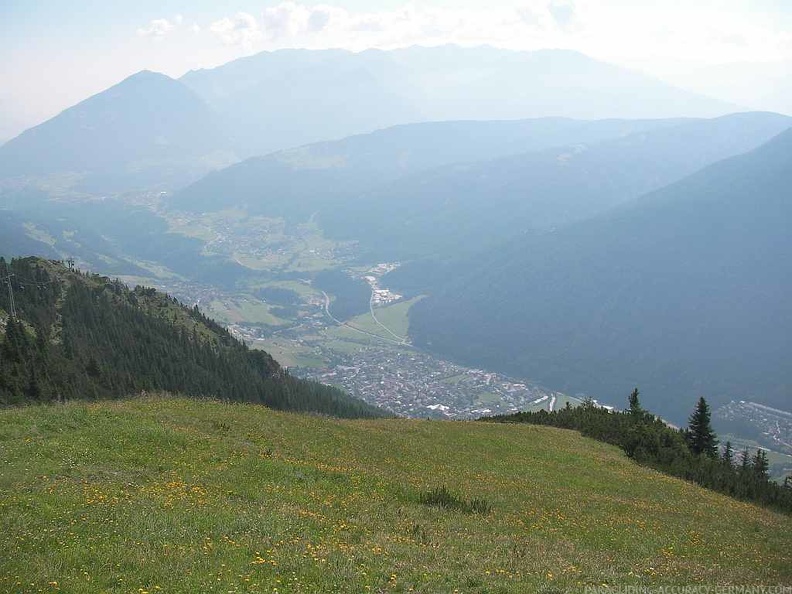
<point>174,495</point>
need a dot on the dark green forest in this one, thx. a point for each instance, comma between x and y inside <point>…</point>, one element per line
<point>683,291</point>
<point>691,453</point>
<point>350,295</point>
<point>76,335</point>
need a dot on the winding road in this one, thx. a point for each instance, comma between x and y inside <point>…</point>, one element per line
<point>399,342</point>
<point>374,317</point>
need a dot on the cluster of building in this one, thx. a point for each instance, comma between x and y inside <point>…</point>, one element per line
<point>380,295</point>
<point>774,425</point>
<point>416,384</point>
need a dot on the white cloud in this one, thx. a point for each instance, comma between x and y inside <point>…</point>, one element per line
<point>668,31</point>
<point>156,28</point>
<point>608,29</point>
<point>563,13</point>
<point>319,19</point>
<point>241,29</point>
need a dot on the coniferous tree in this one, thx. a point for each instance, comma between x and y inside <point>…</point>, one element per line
<point>648,440</point>
<point>85,336</point>
<point>635,405</point>
<point>33,389</point>
<point>745,459</point>
<point>760,464</point>
<point>728,455</point>
<point>701,437</point>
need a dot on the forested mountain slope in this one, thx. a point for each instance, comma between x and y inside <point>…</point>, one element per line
<point>295,183</point>
<point>684,292</point>
<point>86,336</point>
<point>415,191</point>
<point>472,206</point>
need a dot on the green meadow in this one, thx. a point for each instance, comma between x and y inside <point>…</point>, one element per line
<point>164,494</point>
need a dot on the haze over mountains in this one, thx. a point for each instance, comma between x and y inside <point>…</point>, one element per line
<point>387,317</point>
<point>176,130</point>
<point>544,245</point>
<point>443,211</point>
<point>682,291</point>
<point>328,175</point>
<point>286,98</point>
<point>434,189</point>
<point>147,130</point>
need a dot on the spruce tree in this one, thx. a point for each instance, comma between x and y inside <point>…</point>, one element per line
<point>701,437</point>
<point>745,460</point>
<point>728,455</point>
<point>635,405</point>
<point>760,464</point>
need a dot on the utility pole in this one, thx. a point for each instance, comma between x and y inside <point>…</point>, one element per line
<point>11,296</point>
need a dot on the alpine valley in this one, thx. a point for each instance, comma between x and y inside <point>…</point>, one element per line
<point>236,306</point>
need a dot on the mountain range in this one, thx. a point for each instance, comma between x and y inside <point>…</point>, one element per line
<point>147,130</point>
<point>468,207</point>
<point>436,189</point>
<point>518,230</point>
<point>286,98</point>
<point>151,131</point>
<point>682,291</point>
<point>295,183</point>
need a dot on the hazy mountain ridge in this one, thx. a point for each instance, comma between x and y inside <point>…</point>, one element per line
<point>295,183</point>
<point>107,235</point>
<point>681,292</point>
<point>473,206</point>
<point>409,192</point>
<point>270,101</point>
<point>433,189</point>
<point>146,131</point>
<point>152,131</point>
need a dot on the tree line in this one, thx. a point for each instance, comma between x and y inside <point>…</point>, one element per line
<point>691,453</point>
<point>81,336</point>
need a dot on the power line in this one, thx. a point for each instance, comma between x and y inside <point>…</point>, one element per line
<point>39,284</point>
<point>11,296</point>
<point>23,284</point>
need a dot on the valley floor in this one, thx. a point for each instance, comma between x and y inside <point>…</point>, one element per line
<point>175,495</point>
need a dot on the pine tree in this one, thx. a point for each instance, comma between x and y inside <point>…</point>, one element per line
<point>745,460</point>
<point>728,455</point>
<point>635,405</point>
<point>33,389</point>
<point>760,464</point>
<point>701,437</point>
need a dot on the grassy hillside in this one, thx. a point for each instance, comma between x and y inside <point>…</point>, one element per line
<point>176,495</point>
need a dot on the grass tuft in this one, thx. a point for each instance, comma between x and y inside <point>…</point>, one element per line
<point>442,497</point>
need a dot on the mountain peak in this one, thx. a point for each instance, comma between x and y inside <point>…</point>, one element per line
<point>147,121</point>
<point>148,75</point>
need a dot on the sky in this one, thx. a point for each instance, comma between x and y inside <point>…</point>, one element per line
<point>54,53</point>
